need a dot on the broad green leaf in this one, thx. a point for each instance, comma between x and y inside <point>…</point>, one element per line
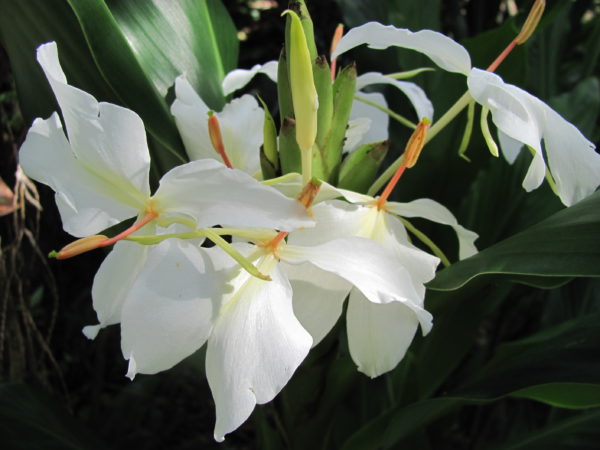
<point>563,395</point>
<point>171,38</point>
<point>567,244</point>
<point>31,419</point>
<point>580,106</point>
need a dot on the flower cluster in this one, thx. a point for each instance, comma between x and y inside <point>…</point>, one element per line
<point>288,249</point>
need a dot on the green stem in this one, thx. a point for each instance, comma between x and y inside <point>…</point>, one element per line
<point>403,120</point>
<point>438,126</point>
<point>282,179</point>
<point>425,240</point>
<point>306,165</point>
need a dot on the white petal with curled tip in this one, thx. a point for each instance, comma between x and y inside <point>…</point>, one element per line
<point>238,78</point>
<point>362,262</point>
<point>241,124</point>
<point>318,298</point>
<point>416,95</point>
<point>87,204</point>
<point>172,306</point>
<point>213,194</point>
<point>442,50</point>
<point>432,210</point>
<point>378,335</point>
<point>256,345</point>
<point>108,139</point>
<point>378,121</point>
<point>572,158</point>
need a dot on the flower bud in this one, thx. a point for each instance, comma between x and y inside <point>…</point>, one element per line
<point>532,21</point>
<point>304,93</point>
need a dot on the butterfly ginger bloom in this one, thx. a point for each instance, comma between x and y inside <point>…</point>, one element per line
<point>100,175</point>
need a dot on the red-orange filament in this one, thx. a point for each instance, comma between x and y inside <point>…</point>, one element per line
<point>337,35</point>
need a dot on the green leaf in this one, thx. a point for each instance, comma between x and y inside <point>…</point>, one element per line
<point>567,244</point>
<point>556,366</point>
<point>195,38</point>
<point>31,419</point>
<point>581,432</point>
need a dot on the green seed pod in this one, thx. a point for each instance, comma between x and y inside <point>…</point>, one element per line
<point>269,138</point>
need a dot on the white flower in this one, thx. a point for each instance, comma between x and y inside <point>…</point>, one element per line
<point>241,122</point>
<point>100,176</point>
<point>379,333</point>
<point>518,115</point>
<point>185,296</point>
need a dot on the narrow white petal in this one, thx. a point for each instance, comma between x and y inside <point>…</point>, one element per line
<point>362,262</point>
<point>318,298</point>
<point>238,78</point>
<point>212,194</point>
<point>256,345</point>
<point>378,121</point>
<point>572,158</point>
<point>108,139</point>
<point>86,203</point>
<point>442,50</point>
<point>378,335</point>
<point>191,117</point>
<point>416,95</point>
<point>171,307</point>
<point>434,211</point>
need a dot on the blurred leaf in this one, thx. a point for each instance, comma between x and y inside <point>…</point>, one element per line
<point>581,432</point>
<point>556,366</point>
<point>30,419</point>
<point>581,105</point>
<point>566,244</point>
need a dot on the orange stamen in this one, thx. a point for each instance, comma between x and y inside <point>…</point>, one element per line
<point>214,131</point>
<point>79,246</point>
<point>337,35</point>
<point>531,23</point>
<point>413,149</point>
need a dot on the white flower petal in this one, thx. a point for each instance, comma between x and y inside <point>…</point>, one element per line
<point>510,147</point>
<point>378,121</point>
<point>357,128</point>
<point>191,117</point>
<point>318,298</point>
<point>572,159</point>
<point>378,335</point>
<point>171,308</point>
<point>238,78</point>
<point>442,50</point>
<point>113,281</point>
<point>241,123</point>
<point>212,194</point>
<point>362,262</point>
<point>256,345</point>
<point>415,94</point>
<point>108,139</point>
<point>434,211</point>
<point>86,203</point>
